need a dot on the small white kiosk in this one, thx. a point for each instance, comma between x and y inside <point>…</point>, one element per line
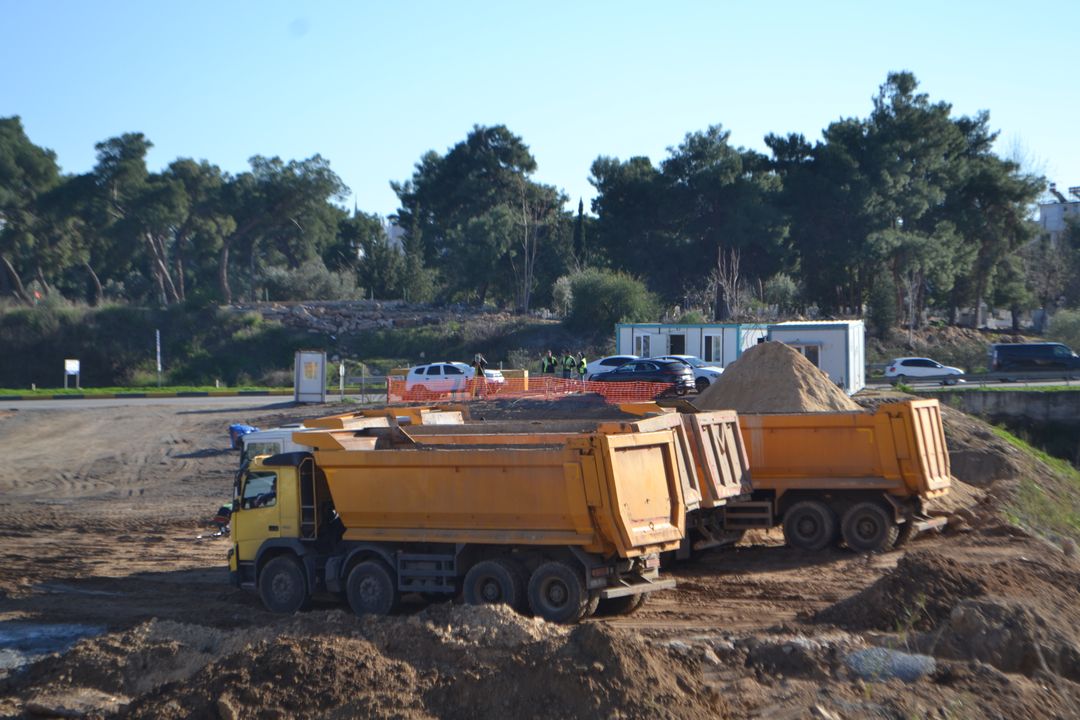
<point>309,376</point>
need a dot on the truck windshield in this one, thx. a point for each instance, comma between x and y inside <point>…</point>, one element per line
<point>252,449</point>
<point>260,490</point>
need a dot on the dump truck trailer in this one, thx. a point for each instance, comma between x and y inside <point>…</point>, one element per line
<point>562,530</point>
<point>862,478</point>
<point>713,465</point>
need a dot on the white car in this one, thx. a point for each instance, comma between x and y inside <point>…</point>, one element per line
<point>704,373</point>
<point>900,369</point>
<point>447,377</point>
<point>606,364</point>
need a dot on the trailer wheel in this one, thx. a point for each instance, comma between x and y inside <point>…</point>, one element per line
<point>557,593</point>
<point>868,528</point>
<point>809,525</point>
<point>904,533</point>
<point>625,605</point>
<point>282,587</point>
<point>491,582</point>
<point>371,589</point>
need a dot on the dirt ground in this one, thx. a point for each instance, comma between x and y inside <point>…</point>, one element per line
<point>101,512</point>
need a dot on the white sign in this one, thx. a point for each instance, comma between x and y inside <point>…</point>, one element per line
<point>71,367</point>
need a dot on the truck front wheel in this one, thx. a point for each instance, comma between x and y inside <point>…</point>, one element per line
<point>809,525</point>
<point>371,589</point>
<point>282,587</point>
<point>557,593</point>
<point>493,582</point>
<point>868,528</point>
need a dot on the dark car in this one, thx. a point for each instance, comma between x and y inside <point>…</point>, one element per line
<point>1023,357</point>
<point>676,372</point>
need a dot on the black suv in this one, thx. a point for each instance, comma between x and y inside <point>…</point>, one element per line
<point>676,372</point>
<point>1022,357</point>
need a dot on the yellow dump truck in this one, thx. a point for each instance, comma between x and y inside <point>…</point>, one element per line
<point>859,477</point>
<point>368,514</point>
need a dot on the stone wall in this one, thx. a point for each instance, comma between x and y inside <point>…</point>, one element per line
<point>351,316</point>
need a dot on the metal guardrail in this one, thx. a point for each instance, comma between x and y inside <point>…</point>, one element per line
<point>988,378</point>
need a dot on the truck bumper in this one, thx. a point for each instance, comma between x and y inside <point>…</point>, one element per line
<point>924,523</point>
<point>637,586</point>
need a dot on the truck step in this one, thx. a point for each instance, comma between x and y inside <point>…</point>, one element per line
<point>744,515</point>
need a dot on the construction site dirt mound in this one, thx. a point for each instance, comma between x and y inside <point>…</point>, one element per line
<point>447,661</point>
<point>920,591</point>
<point>592,406</point>
<point>774,378</point>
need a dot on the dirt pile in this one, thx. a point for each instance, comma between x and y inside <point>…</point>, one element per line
<point>773,377</point>
<point>1016,614</point>
<point>446,661</point>
<point>918,593</point>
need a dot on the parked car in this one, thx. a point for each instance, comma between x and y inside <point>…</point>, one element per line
<point>606,364</point>
<point>900,369</point>
<point>704,373</point>
<point>677,373</point>
<point>1025,357</point>
<point>447,377</point>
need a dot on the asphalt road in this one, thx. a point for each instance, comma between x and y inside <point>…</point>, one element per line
<point>223,403</point>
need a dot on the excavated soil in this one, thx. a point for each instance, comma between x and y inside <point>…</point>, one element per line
<point>102,524</point>
<point>772,377</point>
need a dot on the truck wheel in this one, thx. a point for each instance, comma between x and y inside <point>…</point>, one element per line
<point>868,528</point>
<point>701,384</point>
<point>371,589</point>
<point>809,525</point>
<point>625,605</point>
<point>282,587</point>
<point>557,593</point>
<point>905,532</point>
<point>491,582</point>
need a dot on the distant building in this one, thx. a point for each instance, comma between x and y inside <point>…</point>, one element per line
<point>1053,216</point>
<point>836,347</point>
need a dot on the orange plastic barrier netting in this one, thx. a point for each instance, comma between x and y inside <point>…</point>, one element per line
<point>542,387</point>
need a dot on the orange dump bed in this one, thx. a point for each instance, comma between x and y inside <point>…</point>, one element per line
<point>899,448</point>
<point>609,494</point>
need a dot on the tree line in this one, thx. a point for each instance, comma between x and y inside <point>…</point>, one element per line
<point>890,215</point>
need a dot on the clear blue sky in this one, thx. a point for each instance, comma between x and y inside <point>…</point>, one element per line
<point>373,85</point>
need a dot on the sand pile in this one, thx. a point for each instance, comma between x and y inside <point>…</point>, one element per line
<point>773,377</point>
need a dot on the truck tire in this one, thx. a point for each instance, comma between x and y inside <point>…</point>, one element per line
<point>557,593</point>
<point>867,527</point>
<point>371,590</point>
<point>701,383</point>
<point>282,587</point>
<point>493,582</point>
<point>625,605</point>
<point>904,533</point>
<point>809,525</point>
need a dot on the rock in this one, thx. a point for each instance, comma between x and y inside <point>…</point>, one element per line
<point>1068,546</point>
<point>75,702</point>
<point>226,708</point>
<point>884,664</point>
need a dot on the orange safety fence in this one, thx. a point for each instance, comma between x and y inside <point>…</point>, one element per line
<point>543,387</point>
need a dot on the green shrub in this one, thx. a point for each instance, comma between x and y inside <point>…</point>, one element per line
<point>1065,328</point>
<point>602,298</point>
<point>311,281</point>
